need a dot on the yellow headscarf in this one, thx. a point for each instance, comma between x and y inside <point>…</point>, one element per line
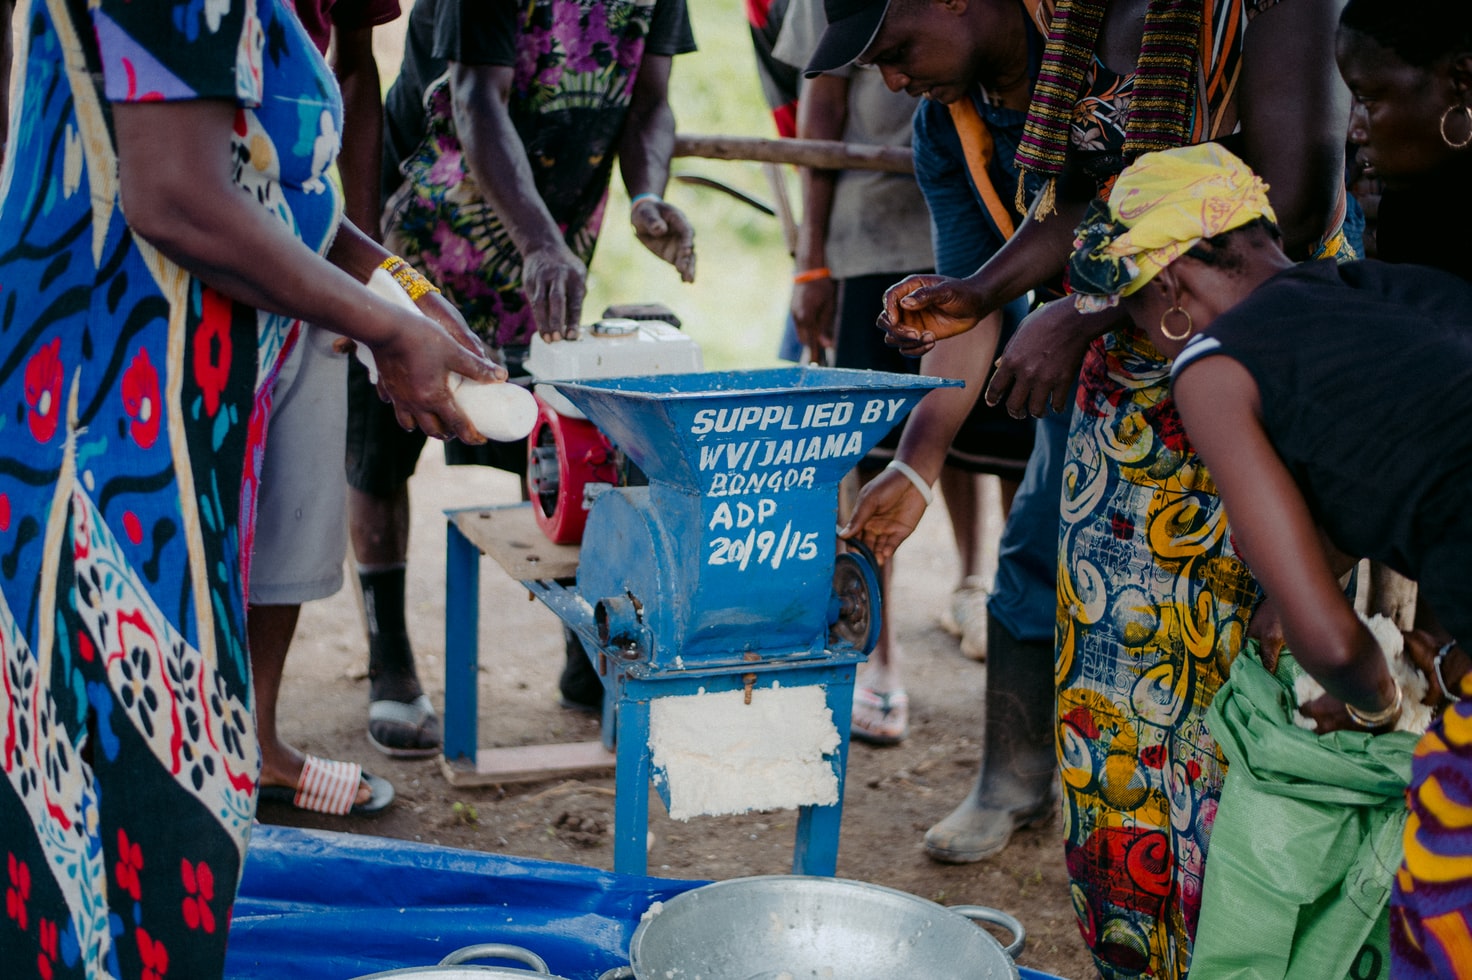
<point>1160,207</point>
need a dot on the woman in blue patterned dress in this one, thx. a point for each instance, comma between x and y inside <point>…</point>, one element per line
<point>165,215</point>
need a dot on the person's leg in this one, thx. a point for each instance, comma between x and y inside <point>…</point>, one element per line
<point>881,705</point>
<point>379,528</point>
<point>1016,783</point>
<point>270,629</point>
<point>380,459</point>
<point>579,687</point>
<point>972,508</point>
<point>963,496</point>
<point>300,541</point>
<point>1015,787</point>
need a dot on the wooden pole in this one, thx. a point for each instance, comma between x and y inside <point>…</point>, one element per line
<point>820,154</point>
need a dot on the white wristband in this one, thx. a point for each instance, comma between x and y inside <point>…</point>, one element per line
<point>1446,692</point>
<point>899,466</point>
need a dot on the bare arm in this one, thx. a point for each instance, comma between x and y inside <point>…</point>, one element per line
<point>1270,519</point>
<point>889,507</point>
<point>361,159</point>
<point>923,309</point>
<point>554,278</point>
<point>644,150</point>
<point>174,166</point>
<point>822,113</point>
<point>1295,114</point>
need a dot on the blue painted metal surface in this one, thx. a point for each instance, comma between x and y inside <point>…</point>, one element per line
<point>315,904</point>
<point>718,575</point>
<point>729,551</point>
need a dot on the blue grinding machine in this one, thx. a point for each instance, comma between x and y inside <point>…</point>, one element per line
<point>722,574</point>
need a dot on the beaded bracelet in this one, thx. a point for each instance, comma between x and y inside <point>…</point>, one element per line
<point>1375,719</point>
<point>1446,691</point>
<point>812,275</point>
<point>408,277</point>
<point>908,471</point>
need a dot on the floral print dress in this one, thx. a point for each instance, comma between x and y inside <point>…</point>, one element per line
<point>133,401</point>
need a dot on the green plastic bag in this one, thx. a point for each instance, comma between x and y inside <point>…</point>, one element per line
<point>1306,842</point>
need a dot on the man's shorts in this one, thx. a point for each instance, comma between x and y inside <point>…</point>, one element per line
<point>990,441</point>
<point>381,456</point>
<point>301,517</point>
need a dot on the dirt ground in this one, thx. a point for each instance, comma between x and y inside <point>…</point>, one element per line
<point>892,794</point>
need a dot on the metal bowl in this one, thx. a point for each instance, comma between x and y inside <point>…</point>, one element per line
<point>795,927</point>
<point>454,966</point>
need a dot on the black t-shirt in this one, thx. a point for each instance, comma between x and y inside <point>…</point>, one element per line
<point>488,32</point>
<point>1364,371</point>
<point>1427,223</point>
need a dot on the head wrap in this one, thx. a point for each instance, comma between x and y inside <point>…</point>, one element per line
<point>1160,207</point>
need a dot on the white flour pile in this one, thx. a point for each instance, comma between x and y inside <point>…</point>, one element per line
<point>719,755</point>
<point>1414,716</point>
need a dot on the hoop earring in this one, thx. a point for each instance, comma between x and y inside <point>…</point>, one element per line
<point>1467,115</point>
<point>1190,324</point>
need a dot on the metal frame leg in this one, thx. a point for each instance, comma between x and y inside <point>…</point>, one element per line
<point>631,788</point>
<point>462,636</point>
<point>815,851</point>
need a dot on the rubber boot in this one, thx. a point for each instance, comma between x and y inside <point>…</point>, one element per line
<point>1018,785</point>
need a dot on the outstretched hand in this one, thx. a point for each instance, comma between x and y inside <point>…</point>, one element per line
<point>921,310</point>
<point>888,510</point>
<point>814,311</point>
<point>1420,649</point>
<point>1328,715</point>
<point>555,282</point>
<point>665,231</point>
<point>1041,362</point>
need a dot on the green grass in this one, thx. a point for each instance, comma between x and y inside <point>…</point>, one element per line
<point>736,307</point>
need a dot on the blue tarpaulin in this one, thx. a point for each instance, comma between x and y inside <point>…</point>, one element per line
<point>316,905</point>
<point>330,906</point>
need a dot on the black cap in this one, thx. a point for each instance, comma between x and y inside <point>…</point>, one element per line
<point>852,25</point>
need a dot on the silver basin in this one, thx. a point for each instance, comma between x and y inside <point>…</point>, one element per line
<point>455,966</point>
<point>795,927</point>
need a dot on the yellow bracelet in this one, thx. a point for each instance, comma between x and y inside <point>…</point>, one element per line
<point>408,277</point>
<point>812,275</point>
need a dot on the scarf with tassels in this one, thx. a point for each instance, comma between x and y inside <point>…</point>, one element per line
<point>1160,111</point>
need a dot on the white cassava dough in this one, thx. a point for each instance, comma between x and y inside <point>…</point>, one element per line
<point>501,411</point>
<point>719,755</point>
<point>1414,716</point>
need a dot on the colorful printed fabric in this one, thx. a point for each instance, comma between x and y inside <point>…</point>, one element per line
<point>1183,90</point>
<point>1431,906</point>
<point>1154,603</point>
<point>1102,111</point>
<point>1160,207</point>
<point>573,82</point>
<point>135,401</point>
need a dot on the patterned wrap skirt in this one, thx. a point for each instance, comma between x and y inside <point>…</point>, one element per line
<point>1431,906</point>
<point>1153,605</point>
